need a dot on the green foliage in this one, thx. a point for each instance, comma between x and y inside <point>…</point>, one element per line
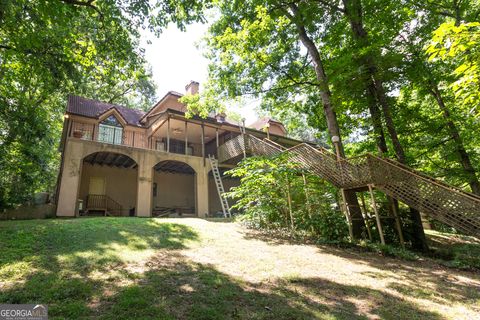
<point>254,49</point>
<point>274,195</point>
<point>460,45</point>
<point>202,104</point>
<point>49,49</point>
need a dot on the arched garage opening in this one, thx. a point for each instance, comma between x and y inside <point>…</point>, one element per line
<point>108,184</point>
<point>173,189</point>
<point>214,205</point>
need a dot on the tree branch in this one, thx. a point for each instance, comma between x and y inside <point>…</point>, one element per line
<point>88,4</point>
<point>331,5</point>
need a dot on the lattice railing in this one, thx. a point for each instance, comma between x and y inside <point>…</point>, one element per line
<point>445,203</point>
<point>260,147</point>
<point>232,148</point>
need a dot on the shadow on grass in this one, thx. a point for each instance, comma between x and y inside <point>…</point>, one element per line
<point>178,289</point>
<point>82,269</point>
<point>422,279</point>
<point>67,264</point>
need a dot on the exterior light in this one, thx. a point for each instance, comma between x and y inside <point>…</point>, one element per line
<point>335,139</point>
<point>65,116</point>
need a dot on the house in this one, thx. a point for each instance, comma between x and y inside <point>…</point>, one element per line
<point>123,161</point>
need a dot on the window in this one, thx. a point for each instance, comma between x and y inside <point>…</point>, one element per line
<point>110,131</point>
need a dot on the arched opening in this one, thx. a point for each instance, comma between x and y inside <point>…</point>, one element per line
<point>214,204</point>
<point>173,189</point>
<point>108,184</point>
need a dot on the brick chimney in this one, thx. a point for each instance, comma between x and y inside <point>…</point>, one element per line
<point>192,87</point>
<point>220,117</point>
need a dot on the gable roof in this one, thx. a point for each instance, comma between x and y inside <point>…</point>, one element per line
<point>262,122</point>
<point>169,93</point>
<point>95,109</point>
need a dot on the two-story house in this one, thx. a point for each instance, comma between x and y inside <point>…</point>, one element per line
<point>128,162</point>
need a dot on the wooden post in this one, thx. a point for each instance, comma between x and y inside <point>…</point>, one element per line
<point>217,142</point>
<point>242,131</point>
<point>377,216</point>
<point>307,199</point>
<point>365,216</point>
<point>168,134</point>
<point>133,139</point>
<point>203,144</point>
<point>289,198</point>
<point>398,224</point>
<point>186,138</point>
<point>346,211</point>
<point>93,132</point>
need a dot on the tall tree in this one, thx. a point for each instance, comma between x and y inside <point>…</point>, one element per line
<point>255,49</point>
<point>353,11</point>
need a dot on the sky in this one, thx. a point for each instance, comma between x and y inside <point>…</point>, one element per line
<point>176,60</point>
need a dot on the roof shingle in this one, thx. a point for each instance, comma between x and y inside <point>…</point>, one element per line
<point>94,109</point>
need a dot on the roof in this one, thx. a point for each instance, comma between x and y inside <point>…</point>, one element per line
<point>169,93</point>
<point>94,109</point>
<point>262,122</point>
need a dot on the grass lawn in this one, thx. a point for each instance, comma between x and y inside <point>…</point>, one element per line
<point>129,268</point>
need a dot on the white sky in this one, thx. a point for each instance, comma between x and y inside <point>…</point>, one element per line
<point>175,60</point>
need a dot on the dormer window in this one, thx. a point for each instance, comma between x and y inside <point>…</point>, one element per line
<point>110,131</point>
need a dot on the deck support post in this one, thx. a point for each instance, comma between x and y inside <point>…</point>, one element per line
<point>398,224</point>
<point>365,216</point>
<point>307,198</point>
<point>377,215</point>
<point>217,142</point>
<point>346,211</point>
<point>186,138</point>
<point>203,143</point>
<point>168,134</point>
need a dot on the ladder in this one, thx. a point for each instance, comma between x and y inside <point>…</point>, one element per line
<point>218,183</point>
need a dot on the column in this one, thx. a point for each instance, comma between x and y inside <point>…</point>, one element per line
<point>70,180</point>
<point>202,191</point>
<point>144,187</point>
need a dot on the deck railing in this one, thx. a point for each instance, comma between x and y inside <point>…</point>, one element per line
<point>100,202</point>
<point>90,131</point>
<point>131,138</point>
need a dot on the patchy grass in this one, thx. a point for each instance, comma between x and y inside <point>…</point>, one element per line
<point>455,250</point>
<point>128,268</point>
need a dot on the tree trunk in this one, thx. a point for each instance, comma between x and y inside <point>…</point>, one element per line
<point>358,224</point>
<point>376,120</point>
<point>353,11</point>
<point>459,146</point>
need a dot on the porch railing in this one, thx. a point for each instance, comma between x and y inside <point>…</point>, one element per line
<point>100,202</point>
<point>90,131</point>
<point>138,139</point>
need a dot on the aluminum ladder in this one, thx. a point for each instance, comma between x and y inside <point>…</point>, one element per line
<point>219,184</point>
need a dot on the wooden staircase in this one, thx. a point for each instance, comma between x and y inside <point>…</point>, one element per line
<point>98,202</point>
<point>445,203</point>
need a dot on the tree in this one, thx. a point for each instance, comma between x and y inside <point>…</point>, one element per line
<point>255,49</point>
<point>459,43</point>
<point>49,49</point>
<point>274,193</point>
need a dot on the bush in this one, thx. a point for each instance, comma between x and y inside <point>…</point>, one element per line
<point>275,193</point>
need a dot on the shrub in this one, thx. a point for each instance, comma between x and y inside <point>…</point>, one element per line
<point>275,193</point>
